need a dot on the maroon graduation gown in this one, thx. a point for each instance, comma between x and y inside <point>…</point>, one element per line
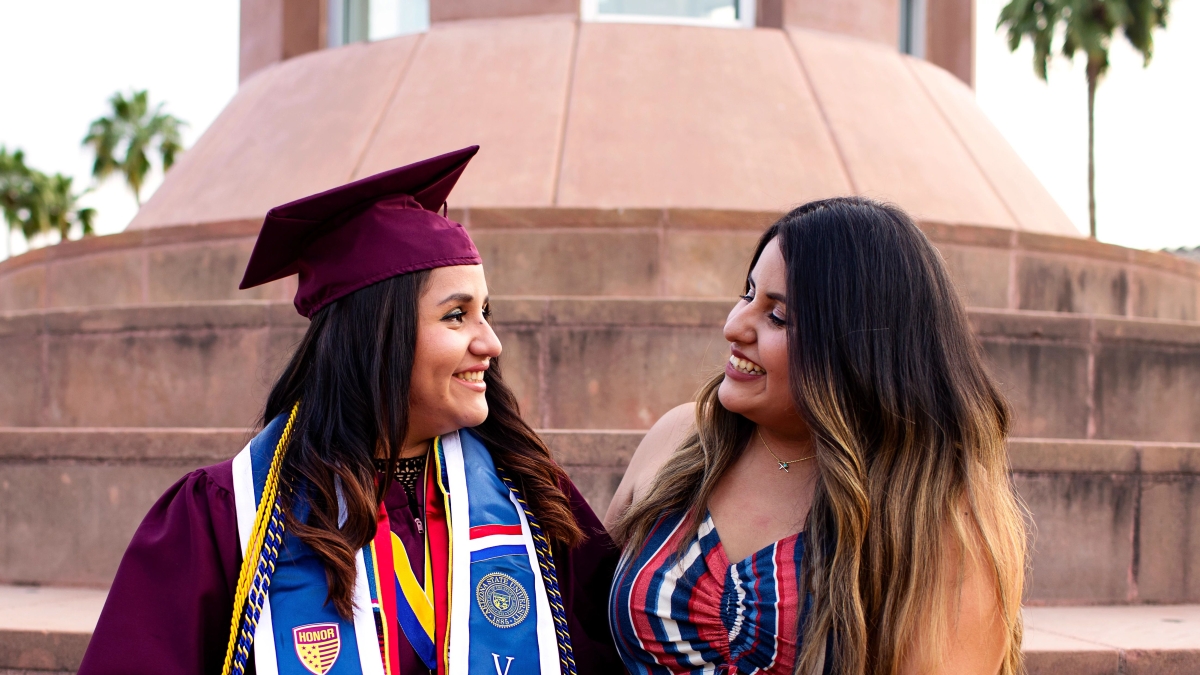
<point>169,608</point>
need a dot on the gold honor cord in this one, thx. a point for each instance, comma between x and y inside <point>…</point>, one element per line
<point>254,549</point>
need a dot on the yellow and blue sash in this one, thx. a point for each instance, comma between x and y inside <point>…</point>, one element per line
<point>500,620</point>
<point>506,619</point>
<point>400,596</point>
<point>298,632</point>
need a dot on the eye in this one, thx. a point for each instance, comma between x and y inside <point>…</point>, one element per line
<point>456,315</point>
<point>487,313</point>
<point>777,320</point>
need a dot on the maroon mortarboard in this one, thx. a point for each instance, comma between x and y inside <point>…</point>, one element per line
<point>363,232</point>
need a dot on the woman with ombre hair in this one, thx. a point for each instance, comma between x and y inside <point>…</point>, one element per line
<point>838,499</point>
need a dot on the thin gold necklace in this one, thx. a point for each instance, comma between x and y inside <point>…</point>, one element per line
<point>783,466</point>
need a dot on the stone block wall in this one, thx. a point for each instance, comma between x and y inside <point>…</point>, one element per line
<point>620,252</point>
<point>127,361</point>
<point>575,363</point>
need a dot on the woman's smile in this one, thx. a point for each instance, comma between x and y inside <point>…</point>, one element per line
<point>472,378</point>
<point>743,369</point>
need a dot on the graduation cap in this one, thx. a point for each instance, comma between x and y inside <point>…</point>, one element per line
<point>363,232</point>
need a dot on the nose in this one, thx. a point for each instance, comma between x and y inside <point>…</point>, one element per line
<point>486,343</point>
<point>738,326</point>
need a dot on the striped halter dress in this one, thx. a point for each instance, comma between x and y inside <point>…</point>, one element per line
<point>701,613</point>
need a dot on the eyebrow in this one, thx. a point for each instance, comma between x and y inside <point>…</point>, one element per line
<point>777,297</point>
<point>457,297</point>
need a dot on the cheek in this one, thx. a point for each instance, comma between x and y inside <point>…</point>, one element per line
<point>436,357</point>
<point>772,349</point>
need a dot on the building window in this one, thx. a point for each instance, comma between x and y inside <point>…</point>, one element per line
<point>365,20</point>
<point>912,27</point>
<point>722,13</point>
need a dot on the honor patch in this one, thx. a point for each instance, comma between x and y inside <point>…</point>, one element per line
<point>502,599</point>
<point>318,646</point>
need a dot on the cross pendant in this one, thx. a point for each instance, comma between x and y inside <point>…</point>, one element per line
<point>783,466</point>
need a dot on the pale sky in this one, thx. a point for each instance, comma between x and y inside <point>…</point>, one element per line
<point>1147,137</point>
<point>65,57</point>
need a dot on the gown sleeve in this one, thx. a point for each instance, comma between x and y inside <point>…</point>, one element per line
<point>585,575</point>
<point>169,608</point>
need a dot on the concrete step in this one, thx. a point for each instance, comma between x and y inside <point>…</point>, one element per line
<point>594,362</point>
<point>1112,519</point>
<point>1137,640</point>
<point>610,252</point>
<point>46,630</point>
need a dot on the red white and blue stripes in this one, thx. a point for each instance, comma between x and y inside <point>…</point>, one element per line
<point>697,613</point>
<point>493,541</point>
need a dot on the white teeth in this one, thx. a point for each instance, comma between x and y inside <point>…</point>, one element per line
<point>470,375</point>
<point>745,366</point>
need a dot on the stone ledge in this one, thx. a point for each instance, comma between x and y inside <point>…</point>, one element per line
<point>119,445</point>
<point>601,448</point>
<point>572,447</point>
<point>637,218</point>
<point>41,652</point>
<point>166,316</point>
<point>609,311</point>
<point>47,629</point>
<point>578,311</point>
<point>1157,331</point>
<point>1053,455</point>
<point>574,218</point>
<point>510,310</point>
<point>130,239</point>
<point>202,261</point>
<point>1031,325</point>
<point>1142,640</point>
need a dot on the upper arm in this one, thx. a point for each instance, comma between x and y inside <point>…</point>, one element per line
<point>172,598</point>
<point>585,575</point>
<point>657,446</point>
<point>976,639</point>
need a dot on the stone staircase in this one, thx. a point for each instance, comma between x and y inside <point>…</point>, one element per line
<point>127,360</point>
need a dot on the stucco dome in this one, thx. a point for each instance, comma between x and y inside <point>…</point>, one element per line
<point>589,116</point>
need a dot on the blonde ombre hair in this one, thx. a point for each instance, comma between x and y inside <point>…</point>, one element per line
<point>909,433</point>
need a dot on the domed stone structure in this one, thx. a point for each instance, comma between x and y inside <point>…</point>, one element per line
<point>627,170</point>
<point>613,116</point>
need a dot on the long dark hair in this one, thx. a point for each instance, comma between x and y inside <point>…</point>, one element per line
<point>351,374</point>
<point>909,435</point>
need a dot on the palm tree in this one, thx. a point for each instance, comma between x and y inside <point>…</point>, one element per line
<point>1087,26</point>
<point>131,130</point>
<point>55,207</point>
<point>36,203</point>
<point>15,187</point>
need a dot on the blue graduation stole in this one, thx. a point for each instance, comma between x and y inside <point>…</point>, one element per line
<point>500,622</point>
<point>299,633</point>
<point>506,620</point>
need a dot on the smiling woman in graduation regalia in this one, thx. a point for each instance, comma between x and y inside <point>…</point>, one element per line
<point>395,514</point>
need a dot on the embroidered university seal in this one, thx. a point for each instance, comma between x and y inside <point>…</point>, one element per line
<point>502,599</point>
<point>318,646</point>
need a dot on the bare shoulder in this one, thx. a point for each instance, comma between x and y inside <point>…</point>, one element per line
<point>657,446</point>
<point>977,638</point>
<point>659,443</point>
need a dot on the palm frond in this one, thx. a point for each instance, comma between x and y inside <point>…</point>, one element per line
<point>124,139</point>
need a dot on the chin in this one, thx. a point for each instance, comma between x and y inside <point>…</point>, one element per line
<point>473,417</point>
<point>733,400</point>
